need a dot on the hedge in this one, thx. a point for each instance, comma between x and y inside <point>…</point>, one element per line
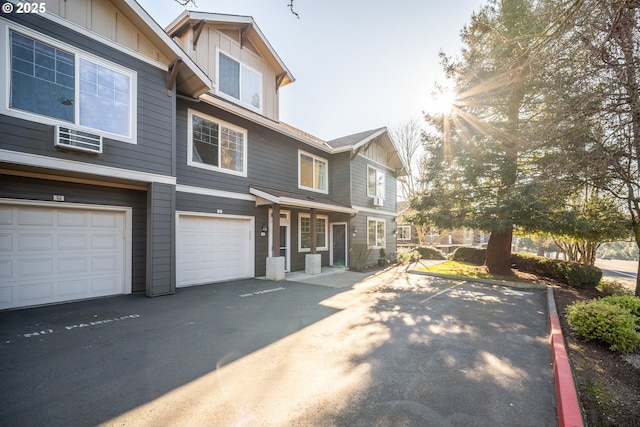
<point>429,252</point>
<point>570,273</point>
<point>471,255</point>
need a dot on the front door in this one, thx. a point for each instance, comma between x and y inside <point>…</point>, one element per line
<point>339,245</point>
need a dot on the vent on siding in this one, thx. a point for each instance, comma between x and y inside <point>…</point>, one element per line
<point>75,139</point>
<point>378,202</point>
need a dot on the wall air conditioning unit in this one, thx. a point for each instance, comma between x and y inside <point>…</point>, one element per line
<point>74,139</point>
<point>378,202</point>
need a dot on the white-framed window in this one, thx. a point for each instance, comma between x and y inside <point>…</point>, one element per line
<point>304,232</point>
<point>404,232</point>
<point>239,82</point>
<point>313,172</point>
<point>375,182</point>
<point>51,82</point>
<point>376,231</point>
<point>216,145</point>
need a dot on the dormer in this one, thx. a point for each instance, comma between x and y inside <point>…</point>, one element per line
<point>245,69</point>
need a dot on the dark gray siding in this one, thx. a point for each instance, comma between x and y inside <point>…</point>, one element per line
<point>15,187</point>
<point>359,186</point>
<point>272,158</point>
<point>339,176</point>
<point>161,237</point>
<point>153,151</point>
<point>361,237</point>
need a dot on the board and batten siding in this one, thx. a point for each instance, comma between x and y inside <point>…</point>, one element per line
<point>27,188</point>
<point>103,18</point>
<point>153,151</point>
<point>205,55</point>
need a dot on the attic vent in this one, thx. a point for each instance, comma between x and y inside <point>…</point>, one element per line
<point>74,139</point>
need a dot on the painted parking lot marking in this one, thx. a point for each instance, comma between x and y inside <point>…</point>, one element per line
<point>442,292</point>
<point>81,325</point>
<point>264,291</point>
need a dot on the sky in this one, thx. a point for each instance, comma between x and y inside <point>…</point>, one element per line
<point>358,64</point>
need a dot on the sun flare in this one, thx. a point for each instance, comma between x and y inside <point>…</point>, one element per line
<point>442,101</point>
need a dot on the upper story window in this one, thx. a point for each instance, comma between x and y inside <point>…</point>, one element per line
<point>240,82</point>
<point>216,145</point>
<point>375,182</point>
<point>56,83</point>
<point>312,172</point>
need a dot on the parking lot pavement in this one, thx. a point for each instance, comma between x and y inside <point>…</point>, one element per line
<point>393,350</point>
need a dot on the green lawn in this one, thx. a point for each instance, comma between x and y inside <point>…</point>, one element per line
<point>456,268</point>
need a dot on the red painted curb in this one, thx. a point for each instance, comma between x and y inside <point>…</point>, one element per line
<point>569,414</point>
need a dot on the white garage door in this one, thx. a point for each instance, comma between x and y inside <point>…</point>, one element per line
<point>213,249</point>
<point>50,254</point>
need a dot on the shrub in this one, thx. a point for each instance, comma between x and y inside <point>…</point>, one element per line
<point>408,256</point>
<point>429,252</point>
<point>603,321</point>
<point>471,255</point>
<point>628,302</point>
<point>570,273</point>
<point>359,255</point>
<point>613,287</point>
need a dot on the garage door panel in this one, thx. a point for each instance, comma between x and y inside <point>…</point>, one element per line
<point>213,249</point>
<point>35,216</point>
<point>35,242</point>
<point>73,242</point>
<point>73,289</point>
<point>53,254</point>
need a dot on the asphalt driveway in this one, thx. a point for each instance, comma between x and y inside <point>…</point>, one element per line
<point>394,349</point>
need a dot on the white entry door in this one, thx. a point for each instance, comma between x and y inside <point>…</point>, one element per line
<point>51,254</point>
<point>213,249</point>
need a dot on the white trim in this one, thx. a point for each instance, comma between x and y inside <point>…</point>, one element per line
<point>377,163</point>
<point>80,167</point>
<point>369,138</point>
<point>346,245</point>
<point>221,124</point>
<point>239,100</point>
<point>290,201</point>
<point>365,209</point>
<point>326,231</point>
<point>214,193</point>
<point>250,271</point>
<point>398,232</point>
<point>384,182</point>
<point>377,220</point>
<point>78,54</point>
<point>315,158</point>
<point>128,224</point>
<point>97,37</point>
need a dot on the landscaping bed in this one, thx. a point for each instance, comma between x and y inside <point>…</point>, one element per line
<point>608,383</point>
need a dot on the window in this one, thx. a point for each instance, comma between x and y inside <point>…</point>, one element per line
<point>59,84</point>
<point>304,232</point>
<point>312,172</point>
<point>375,182</point>
<point>404,232</point>
<point>239,81</point>
<point>376,233</point>
<point>216,145</point>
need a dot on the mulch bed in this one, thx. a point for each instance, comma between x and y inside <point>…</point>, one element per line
<point>608,383</point>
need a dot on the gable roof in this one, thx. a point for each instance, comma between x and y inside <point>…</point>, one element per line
<point>245,24</point>
<point>189,77</point>
<point>359,141</point>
